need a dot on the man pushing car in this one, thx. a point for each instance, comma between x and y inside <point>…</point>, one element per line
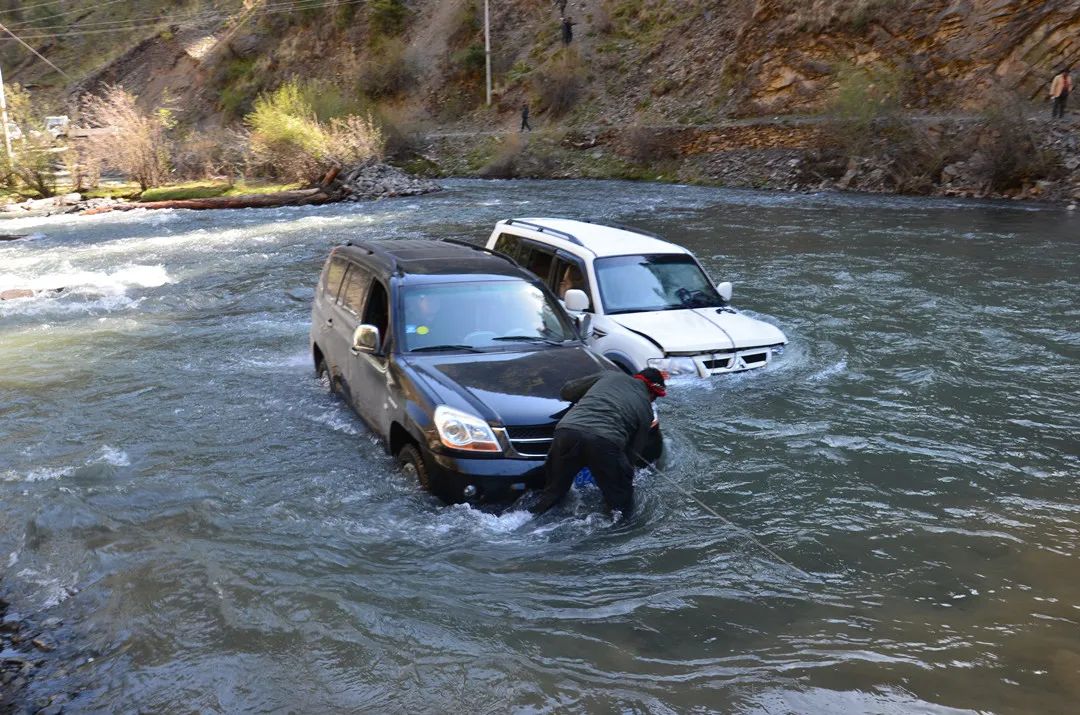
<point>604,430</point>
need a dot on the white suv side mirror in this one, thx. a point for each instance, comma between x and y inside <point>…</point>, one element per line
<point>724,289</point>
<point>576,300</point>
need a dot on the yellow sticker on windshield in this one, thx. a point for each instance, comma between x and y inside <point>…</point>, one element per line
<point>422,330</point>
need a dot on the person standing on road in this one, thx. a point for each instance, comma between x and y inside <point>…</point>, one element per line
<point>1059,92</point>
<point>525,117</point>
<point>605,430</point>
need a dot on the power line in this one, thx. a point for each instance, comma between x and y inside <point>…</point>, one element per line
<point>73,11</point>
<point>131,25</point>
<point>29,7</point>
<point>41,56</point>
<point>29,24</point>
<point>130,22</point>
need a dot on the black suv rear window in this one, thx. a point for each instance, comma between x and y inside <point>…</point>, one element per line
<point>334,275</point>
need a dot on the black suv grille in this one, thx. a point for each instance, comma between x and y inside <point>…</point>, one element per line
<point>531,440</point>
<point>532,432</point>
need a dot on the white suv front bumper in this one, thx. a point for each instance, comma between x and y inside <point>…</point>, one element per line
<point>721,363</point>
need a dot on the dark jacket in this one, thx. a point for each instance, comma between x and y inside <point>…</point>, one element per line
<point>611,405</point>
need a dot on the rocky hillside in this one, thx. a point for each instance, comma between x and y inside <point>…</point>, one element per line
<point>714,75</point>
<point>687,61</point>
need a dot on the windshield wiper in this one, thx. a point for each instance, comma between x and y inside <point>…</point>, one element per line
<point>530,339</point>
<point>434,348</point>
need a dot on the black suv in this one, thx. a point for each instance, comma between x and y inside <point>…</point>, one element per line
<point>453,355</point>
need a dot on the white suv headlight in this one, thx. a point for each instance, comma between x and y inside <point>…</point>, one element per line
<point>460,430</point>
<point>675,366</point>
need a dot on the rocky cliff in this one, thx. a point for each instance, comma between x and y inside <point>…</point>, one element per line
<point>681,60</point>
<point>419,64</point>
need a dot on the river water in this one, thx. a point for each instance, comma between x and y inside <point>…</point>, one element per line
<point>218,534</point>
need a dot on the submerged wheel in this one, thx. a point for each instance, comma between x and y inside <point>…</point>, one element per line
<point>322,371</point>
<point>413,465</point>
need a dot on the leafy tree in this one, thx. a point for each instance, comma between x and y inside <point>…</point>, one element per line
<point>129,139</point>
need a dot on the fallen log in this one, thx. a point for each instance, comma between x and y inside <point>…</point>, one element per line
<point>11,236</point>
<point>296,197</point>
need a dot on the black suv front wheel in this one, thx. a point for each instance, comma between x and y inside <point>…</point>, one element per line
<point>413,465</point>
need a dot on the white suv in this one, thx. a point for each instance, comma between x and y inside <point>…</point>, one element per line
<point>646,302</point>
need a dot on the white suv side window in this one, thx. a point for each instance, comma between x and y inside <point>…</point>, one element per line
<point>530,255</point>
<point>569,274</point>
<point>508,244</point>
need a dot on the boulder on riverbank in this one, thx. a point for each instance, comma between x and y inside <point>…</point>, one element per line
<point>380,181</point>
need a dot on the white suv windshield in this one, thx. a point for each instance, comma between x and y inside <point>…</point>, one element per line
<point>635,284</point>
<point>480,315</point>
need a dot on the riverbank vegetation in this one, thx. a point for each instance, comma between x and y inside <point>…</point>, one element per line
<point>682,91</point>
<point>294,136</point>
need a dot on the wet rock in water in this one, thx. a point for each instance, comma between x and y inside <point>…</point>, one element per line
<point>378,181</point>
<point>44,644</point>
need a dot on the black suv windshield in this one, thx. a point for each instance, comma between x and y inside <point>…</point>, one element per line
<point>481,314</point>
<point>634,284</point>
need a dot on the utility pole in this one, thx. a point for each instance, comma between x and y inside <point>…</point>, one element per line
<point>4,119</point>
<point>487,49</point>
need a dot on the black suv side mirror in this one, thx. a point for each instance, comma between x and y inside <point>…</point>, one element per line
<point>365,339</point>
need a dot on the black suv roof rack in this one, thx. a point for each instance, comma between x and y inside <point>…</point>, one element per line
<point>375,250</point>
<point>546,229</point>
<point>477,247</point>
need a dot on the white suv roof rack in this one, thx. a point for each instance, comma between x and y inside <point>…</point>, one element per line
<point>601,239</point>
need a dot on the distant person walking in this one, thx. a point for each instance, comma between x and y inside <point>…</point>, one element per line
<point>567,30</point>
<point>1059,92</point>
<point>561,4</point>
<point>525,117</point>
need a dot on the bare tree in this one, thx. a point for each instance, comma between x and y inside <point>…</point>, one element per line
<point>130,140</point>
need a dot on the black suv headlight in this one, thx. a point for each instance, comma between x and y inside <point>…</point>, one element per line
<point>460,430</point>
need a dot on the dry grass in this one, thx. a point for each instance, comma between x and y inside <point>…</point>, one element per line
<point>644,144</point>
<point>504,164</point>
<point>817,16</point>
<point>558,87</point>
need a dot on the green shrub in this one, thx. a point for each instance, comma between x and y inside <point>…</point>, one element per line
<point>472,59</point>
<point>238,79</point>
<point>328,101</point>
<point>1008,154</point>
<point>518,73</point>
<point>865,96</point>
<point>387,17</point>
<point>343,15</point>
<point>289,139</point>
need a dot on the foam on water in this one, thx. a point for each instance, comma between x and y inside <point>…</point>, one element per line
<point>86,282</point>
<point>335,420</point>
<point>115,457</point>
<point>40,474</point>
